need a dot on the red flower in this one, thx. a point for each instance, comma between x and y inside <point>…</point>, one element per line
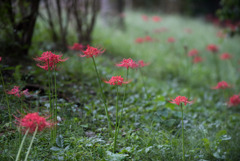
<point>116,80</point>
<point>91,51</point>
<point>16,92</point>
<point>48,60</point>
<point>171,40</point>
<point>163,29</point>
<point>180,99</point>
<point>225,56</point>
<point>234,100</point>
<point>145,18</point>
<point>142,64</point>
<point>156,18</point>
<point>220,34</point>
<point>188,30</point>
<point>148,38</point>
<point>127,63</point>
<point>193,52</point>
<point>76,47</point>
<point>197,59</point>
<point>139,40</point>
<point>222,85</point>
<point>31,121</point>
<point>0,58</point>
<point>213,48</point>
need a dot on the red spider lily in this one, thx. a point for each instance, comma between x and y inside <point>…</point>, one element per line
<point>139,40</point>
<point>225,56</point>
<point>49,61</point>
<point>76,47</point>
<point>180,99</point>
<point>188,30</point>
<point>197,59</point>
<point>171,40</point>
<point>193,52</point>
<point>91,51</point>
<point>163,29</point>
<point>127,63</point>
<point>142,64</point>
<point>16,92</point>
<point>221,35</point>
<point>116,80</point>
<point>234,101</point>
<point>156,18</point>
<point>222,85</point>
<point>31,121</point>
<point>148,38</point>
<point>145,18</point>
<point>213,48</point>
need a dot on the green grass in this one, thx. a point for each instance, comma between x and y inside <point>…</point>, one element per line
<point>151,126</point>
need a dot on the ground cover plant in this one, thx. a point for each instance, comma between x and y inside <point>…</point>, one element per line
<point>166,88</point>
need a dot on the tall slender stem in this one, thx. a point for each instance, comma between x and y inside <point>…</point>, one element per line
<point>4,91</point>
<point>55,111</point>
<point>123,102</point>
<point>182,135</point>
<point>103,98</point>
<point>50,96</point>
<point>116,125</point>
<point>29,148</point>
<point>21,145</point>
<point>142,80</point>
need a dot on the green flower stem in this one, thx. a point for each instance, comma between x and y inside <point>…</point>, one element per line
<point>142,80</point>
<point>116,125</point>
<point>4,91</point>
<point>123,102</point>
<point>21,145</point>
<point>103,98</point>
<point>50,97</point>
<point>29,148</point>
<point>182,135</point>
<point>55,111</point>
<point>216,67</point>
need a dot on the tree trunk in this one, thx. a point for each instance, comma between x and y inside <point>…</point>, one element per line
<point>112,13</point>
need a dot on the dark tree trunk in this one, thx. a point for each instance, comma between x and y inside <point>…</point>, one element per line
<point>112,13</point>
<point>21,17</point>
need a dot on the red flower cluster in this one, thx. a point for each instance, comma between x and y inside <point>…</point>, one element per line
<point>156,18</point>
<point>225,56</point>
<point>213,48</point>
<point>234,100</point>
<point>116,80</point>
<point>91,51</point>
<point>188,30</point>
<point>16,92</point>
<point>49,61</point>
<point>142,64</point>
<point>76,47</point>
<point>147,38</point>
<point>31,121</point>
<point>197,59</point>
<point>222,85</point>
<point>145,18</point>
<point>180,99</point>
<point>163,29</point>
<point>171,40</point>
<point>221,35</point>
<point>126,63</point>
<point>139,40</point>
<point>193,52</point>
